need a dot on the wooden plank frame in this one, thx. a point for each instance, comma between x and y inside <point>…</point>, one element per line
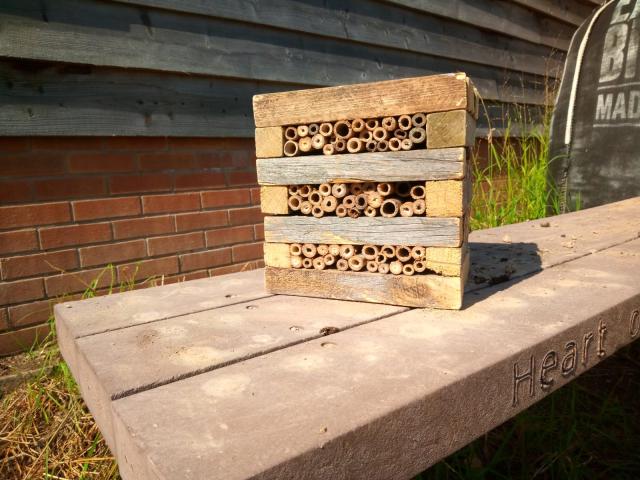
<point>455,128</point>
<point>269,142</point>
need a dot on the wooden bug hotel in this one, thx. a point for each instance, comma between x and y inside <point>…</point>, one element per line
<point>367,190</point>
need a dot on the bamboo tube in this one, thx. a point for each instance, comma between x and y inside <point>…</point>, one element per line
<point>304,191</point>
<point>353,212</point>
<point>328,149</point>
<point>419,266</point>
<point>394,144</point>
<point>385,188</point>
<point>329,204</point>
<point>318,263</point>
<point>324,189</point>
<point>372,123</point>
<point>349,201</point>
<point>417,135</point>
<point>356,188</point>
<point>325,129</point>
<point>347,251</point>
<point>418,252</point>
<point>304,144</point>
<point>388,251</point>
<point>295,249</point>
<point>334,250</point>
<point>406,209</point>
<point>381,258</point>
<point>361,201</point>
<point>294,202</point>
<point>419,120</point>
<point>408,269</point>
<point>291,133</point>
<point>371,146</point>
<point>356,263</point>
<point>292,189</point>
<point>306,207</point>
<point>395,267</point>
<point>342,129</point>
<point>354,145</point>
<point>309,250</point>
<point>307,263</point>
<point>374,199</point>
<point>382,146</point>
<point>419,207</point>
<point>400,134</point>
<point>406,144</point>
<point>313,129</point>
<point>368,187</point>
<point>389,124</point>
<point>372,266</point>
<point>404,122</point>
<point>370,252</point>
<point>379,133</point>
<point>403,253</point>
<point>296,261</point>
<point>318,141</point>
<point>403,189</point>
<point>340,145</point>
<point>417,191</point>
<point>322,249</point>
<point>341,211</point>
<point>342,265</point>
<point>314,197</point>
<point>366,135</point>
<point>357,125</point>
<point>370,211</point>
<point>317,211</point>
<point>383,268</point>
<point>390,208</point>
<point>302,130</point>
<point>339,190</point>
<point>329,259</point>
<point>290,148</point>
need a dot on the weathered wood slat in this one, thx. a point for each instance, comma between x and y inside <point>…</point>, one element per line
<point>424,231</point>
<point>425,164</point>
<point>568,11</point>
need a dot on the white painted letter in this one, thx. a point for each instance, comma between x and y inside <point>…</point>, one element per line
<point>613,52</point>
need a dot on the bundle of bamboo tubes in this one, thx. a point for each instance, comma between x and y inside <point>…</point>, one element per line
<point>402,132</point>
<point>386,199</point>
<point>397,260</point>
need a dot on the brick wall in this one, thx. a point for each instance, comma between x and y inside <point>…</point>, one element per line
<point>156,209</point>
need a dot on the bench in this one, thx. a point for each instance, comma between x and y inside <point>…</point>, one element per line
<point>215,378</point>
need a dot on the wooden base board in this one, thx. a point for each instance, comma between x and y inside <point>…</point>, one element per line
<point>433,291</point>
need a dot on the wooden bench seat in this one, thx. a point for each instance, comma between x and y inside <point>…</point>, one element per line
<point>215,378</point>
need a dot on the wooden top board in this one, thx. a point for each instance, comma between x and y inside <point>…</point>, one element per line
<point>254,389</point>
<point>435,93</point>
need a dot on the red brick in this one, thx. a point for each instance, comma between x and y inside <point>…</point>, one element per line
<point>244,159</point>
<point>200,180</point>
<point>143,227</point>
<point>175,243</point>
<point>55,237</point>
<point>195,143</point>
<point>112,253</point>
<point>259,231</point>
<point>201,220</point>
<point>16,191</point>
<point>200,260</point>
<point>250,251</point>
<point>227,236</point>
<point>35,214</point>
<point>147,269</point>
<point>179,202</point>
<point>73,187</point>
<point>135,143</point>
<point>30,313</point>
<point>67,283</point>
<point>243,216</point>
<point>18,241</point>
<point>238,267</point>
<point>168,161</point>
<point>101,162</point>
<point>148,182</point>
<point>106,208</point>
<point>255,196</point>
<point>184,277</point>
<point>31,165</point>
<point>215,159</point>
<point>14,144</point>
<point>21,291</point>
<point>226,198</point>
<point>66,143</point>
<point>23,339</point>
<point>4,319</point>
<point>242,178</point>
<point>39,263</point>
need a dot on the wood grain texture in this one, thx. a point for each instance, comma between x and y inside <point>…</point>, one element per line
<point>418,165</point>
<point>456,128</point>
<point>412,291</point>
<point>445,260</point>
<point>269,142</point>
<point>447,198</point>
<point>424,231</point>
<point>277,255</point>
<point>273,200</point>
<point>434,93</point>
